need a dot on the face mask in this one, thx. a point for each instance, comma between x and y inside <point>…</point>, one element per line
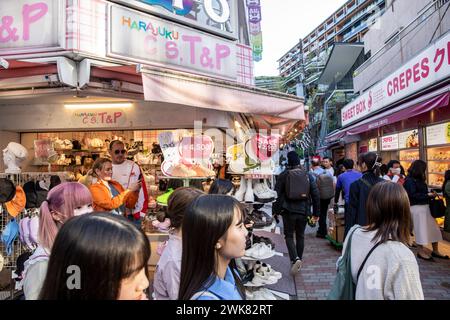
<point>83,210</point>
<point>396,171</point>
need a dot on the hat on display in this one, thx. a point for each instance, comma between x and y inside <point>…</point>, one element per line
<point>7,190</point>
<point>17,149</point>
<point>76,145</point>
<point>9,234</point>
<point>30,193</point>
<point>17,204</point>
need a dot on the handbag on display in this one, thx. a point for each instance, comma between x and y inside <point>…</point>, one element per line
<point>437,207</point>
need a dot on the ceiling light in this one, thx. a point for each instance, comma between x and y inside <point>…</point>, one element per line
<point>98,106</point>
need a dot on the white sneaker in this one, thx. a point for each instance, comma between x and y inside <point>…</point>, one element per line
<point>239,194</point>
<point>261,194</point>
<point>261,279</point>
<point>260,251</point>
<point>249,197</point>
<point>268,269</point>
<point>267,188</point>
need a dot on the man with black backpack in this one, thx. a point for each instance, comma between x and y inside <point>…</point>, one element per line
<point>296,189</point>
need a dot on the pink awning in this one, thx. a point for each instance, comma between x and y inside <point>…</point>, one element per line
<point>221,95</point>
<point>425,103</point>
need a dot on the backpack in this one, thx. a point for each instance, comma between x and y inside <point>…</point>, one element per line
<point>297,184</point>
<point>325,184</point>
<point>344,288</point>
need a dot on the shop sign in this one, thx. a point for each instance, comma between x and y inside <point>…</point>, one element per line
<point>27,24</point>
<point>215,16</point>
<point>373,145</point>
<point>91,119</point>
<point>194,148</point>
<point>438,134</point>
<point>408,139</point>
<point>430,66</point>
<point>183,154</point>
<point>150,40</point>
<point>389,142</point>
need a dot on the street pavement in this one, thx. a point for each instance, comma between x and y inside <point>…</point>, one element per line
<point>315,279</point>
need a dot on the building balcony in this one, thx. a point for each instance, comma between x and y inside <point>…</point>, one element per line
<point>350,34</point>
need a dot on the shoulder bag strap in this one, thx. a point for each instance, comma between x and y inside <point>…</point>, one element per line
<point>129,176</point>
<point>366,183</point>
<point>365,260</point>
<point>204,294</point>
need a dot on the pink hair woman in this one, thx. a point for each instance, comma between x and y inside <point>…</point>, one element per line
<point>63,202</point>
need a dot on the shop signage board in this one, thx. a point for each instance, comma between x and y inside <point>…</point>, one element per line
<point>408,139</point>
<point>373,145</point>
<point>258,155</point>
<point>214,16</point>
<point>88,118</point>
<point>186,156</point>
<point>149,40</point>
<point>29,26</point>
<point>429,67</point>
<point>389,142</point>
<point>438,134</point>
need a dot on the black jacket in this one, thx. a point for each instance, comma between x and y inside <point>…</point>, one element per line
<point>359,192</point>
<point>417,191</point>
<point>296,206</point>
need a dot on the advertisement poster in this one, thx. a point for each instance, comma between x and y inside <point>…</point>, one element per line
<point>438,134</point>
<point>408,139</point>
<point>389,142</point>
<point>186,157</point>
<point>373,145</point>
<point>258,155</point>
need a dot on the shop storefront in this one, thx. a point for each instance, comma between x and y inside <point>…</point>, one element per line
<point>397,117</point>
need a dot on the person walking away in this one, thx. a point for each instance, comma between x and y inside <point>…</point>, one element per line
<point>127,173</point>
<point>446,192</point>
<point>325,184</point>
<point>343,183</point>
<point>107,252</point>
<point>383,267</point>
<point>167,274</point>
<point>369,164</point>
<point>296,189</point>
<point>213,236</point>
<point>395,172</point>
<point>425,227</point>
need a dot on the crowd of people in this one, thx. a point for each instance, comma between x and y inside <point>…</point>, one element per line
<point>96,229</point>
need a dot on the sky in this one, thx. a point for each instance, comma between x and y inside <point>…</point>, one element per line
<point>284,22</point>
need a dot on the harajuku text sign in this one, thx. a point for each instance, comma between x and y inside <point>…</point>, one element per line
<point>150,40</point>
<point>430,66</point>
<point>28,24</point>
<point>215,16</point>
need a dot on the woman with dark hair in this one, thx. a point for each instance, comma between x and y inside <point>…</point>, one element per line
<point>103,256</point>
<point>425,227</point>
<point>383,242</point>
<point>446,192</point>
<point>369,164</point>
<point>395,173</point>
<point>167,275</point>
<point>213,236</point>
<point>221,186</point>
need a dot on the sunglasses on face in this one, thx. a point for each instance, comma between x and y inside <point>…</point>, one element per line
<point>120,151</point>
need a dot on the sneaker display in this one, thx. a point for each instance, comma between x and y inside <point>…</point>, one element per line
<point>268,270</point>
<point>262,278</point>
<point>240,193</point>
<point>267,188</point>
<point>249,196</point>
<point>261,194</point>
<point>260,251</point>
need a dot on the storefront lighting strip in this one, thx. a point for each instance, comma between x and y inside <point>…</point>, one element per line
<point>98,106</point>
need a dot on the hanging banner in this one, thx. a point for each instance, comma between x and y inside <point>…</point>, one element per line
<point>146,39</point>
<point>258,155</point>
<point>254,23</point>
<point>186,157</point>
